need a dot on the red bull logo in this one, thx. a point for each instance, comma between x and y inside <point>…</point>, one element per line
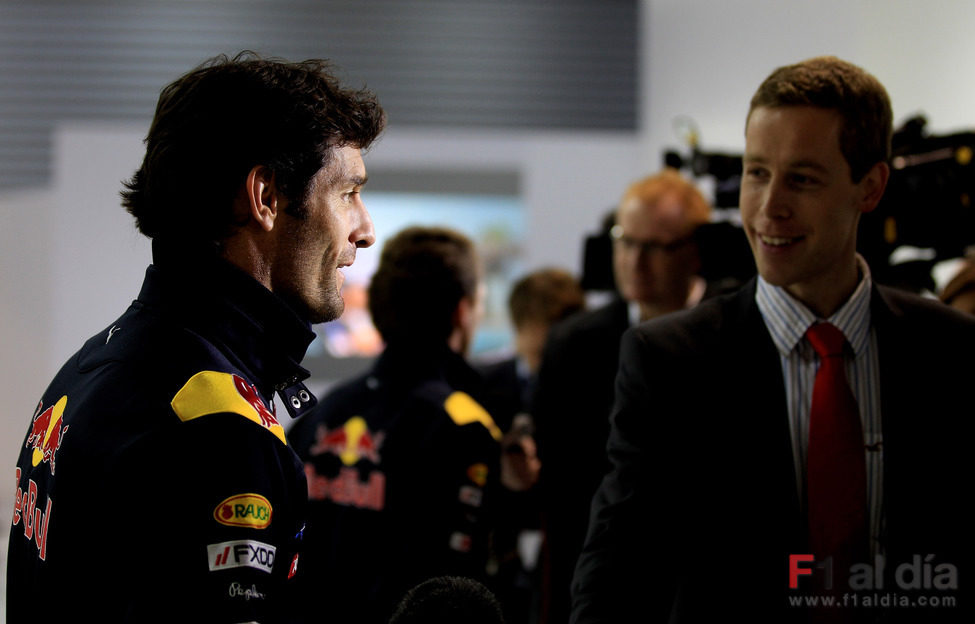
<point>249,392</point>
<point>28,509</point>
<point>351,442</point>
<point>46,433</point>
<point>347,488</point>
<point>478,473</point>
<point>212,392</point>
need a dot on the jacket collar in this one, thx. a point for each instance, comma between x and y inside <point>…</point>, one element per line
<point>251,325</point>
<point>403,364</point>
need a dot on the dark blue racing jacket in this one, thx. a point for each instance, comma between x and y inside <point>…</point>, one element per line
<point>155,482</point>
<point>402,466</point>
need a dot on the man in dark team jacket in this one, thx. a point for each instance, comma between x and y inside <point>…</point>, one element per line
<point>403,462</point>
<point>155,482</point>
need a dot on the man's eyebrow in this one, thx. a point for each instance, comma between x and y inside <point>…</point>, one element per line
<point>359,180</point>
<point>797,164</point>
<point>808,164</point>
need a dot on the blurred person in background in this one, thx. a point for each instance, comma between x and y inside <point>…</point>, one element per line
<point>537,301</point>
<point>404,463</point>
<point>655,265</point>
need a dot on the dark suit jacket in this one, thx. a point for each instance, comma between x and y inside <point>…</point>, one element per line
<point>571,407</point>
<point>698,517</point>
<point>506,392</point>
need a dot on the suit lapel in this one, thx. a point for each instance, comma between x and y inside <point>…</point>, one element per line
<point>758,379</point>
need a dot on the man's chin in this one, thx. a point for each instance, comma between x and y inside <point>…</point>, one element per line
<point>324,310</point>
<point>326,313</point>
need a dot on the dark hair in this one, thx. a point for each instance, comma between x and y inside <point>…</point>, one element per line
<point>448,600</point>
<point>830,83</point>
<point>423,273</point>
<point>546,296</point>
<point>220,120</point>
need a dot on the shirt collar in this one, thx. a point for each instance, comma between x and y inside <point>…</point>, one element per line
<point>788,319</point>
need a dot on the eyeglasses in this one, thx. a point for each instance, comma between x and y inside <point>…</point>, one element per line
<point>646,246</point>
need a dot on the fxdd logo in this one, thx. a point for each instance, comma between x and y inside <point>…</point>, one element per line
<point>241,554</point>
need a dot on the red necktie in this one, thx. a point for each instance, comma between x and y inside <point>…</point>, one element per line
<point>836,466</point>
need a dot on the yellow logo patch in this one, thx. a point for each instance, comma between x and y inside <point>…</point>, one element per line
<point>464,410</point>
<point>211,392</point>
<point>478,473</point>
<point>250,511</point>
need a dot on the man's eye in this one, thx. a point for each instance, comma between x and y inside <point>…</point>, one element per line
<point>803,180</point>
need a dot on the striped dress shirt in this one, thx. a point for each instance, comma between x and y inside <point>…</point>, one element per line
<point>787,320</point>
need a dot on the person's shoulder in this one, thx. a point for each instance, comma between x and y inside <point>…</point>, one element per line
<point>612,317</point>
<point>905,303</point>
<point>497,371</point>
<point>463,410</point>
<point>711,320</point>
<point>450,410</point>
<point>150,364</point>
<point>907,311</point>
<point>136,364</point>
<point>345,391</point>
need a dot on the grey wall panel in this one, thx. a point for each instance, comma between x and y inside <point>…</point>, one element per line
<point>522,64</point>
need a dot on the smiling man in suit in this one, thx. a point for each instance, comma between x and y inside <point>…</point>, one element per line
<point>741,485</point>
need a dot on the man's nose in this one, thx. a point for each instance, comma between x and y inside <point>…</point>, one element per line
<point>365,234</point>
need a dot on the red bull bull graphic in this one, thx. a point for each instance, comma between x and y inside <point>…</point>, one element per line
<point>212,392</point>
<point>28,509</point>
<point>249,392</point>
<point>351,443</point>
<point>46,433</point>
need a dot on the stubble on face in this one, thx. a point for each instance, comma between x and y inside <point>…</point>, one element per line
<point>320,243</point>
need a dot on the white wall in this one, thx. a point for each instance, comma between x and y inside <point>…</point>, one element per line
<point>705,58</point>
<point>70,260</point>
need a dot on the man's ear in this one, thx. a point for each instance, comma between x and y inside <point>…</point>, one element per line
<point>264,201</point>
<point>464,312</point>
<point>872,186</point>
<point>463,319</point>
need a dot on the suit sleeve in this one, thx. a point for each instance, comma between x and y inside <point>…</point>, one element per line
<point>629,558</point>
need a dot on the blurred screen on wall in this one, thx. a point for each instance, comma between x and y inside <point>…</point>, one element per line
<point>496,224</point>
